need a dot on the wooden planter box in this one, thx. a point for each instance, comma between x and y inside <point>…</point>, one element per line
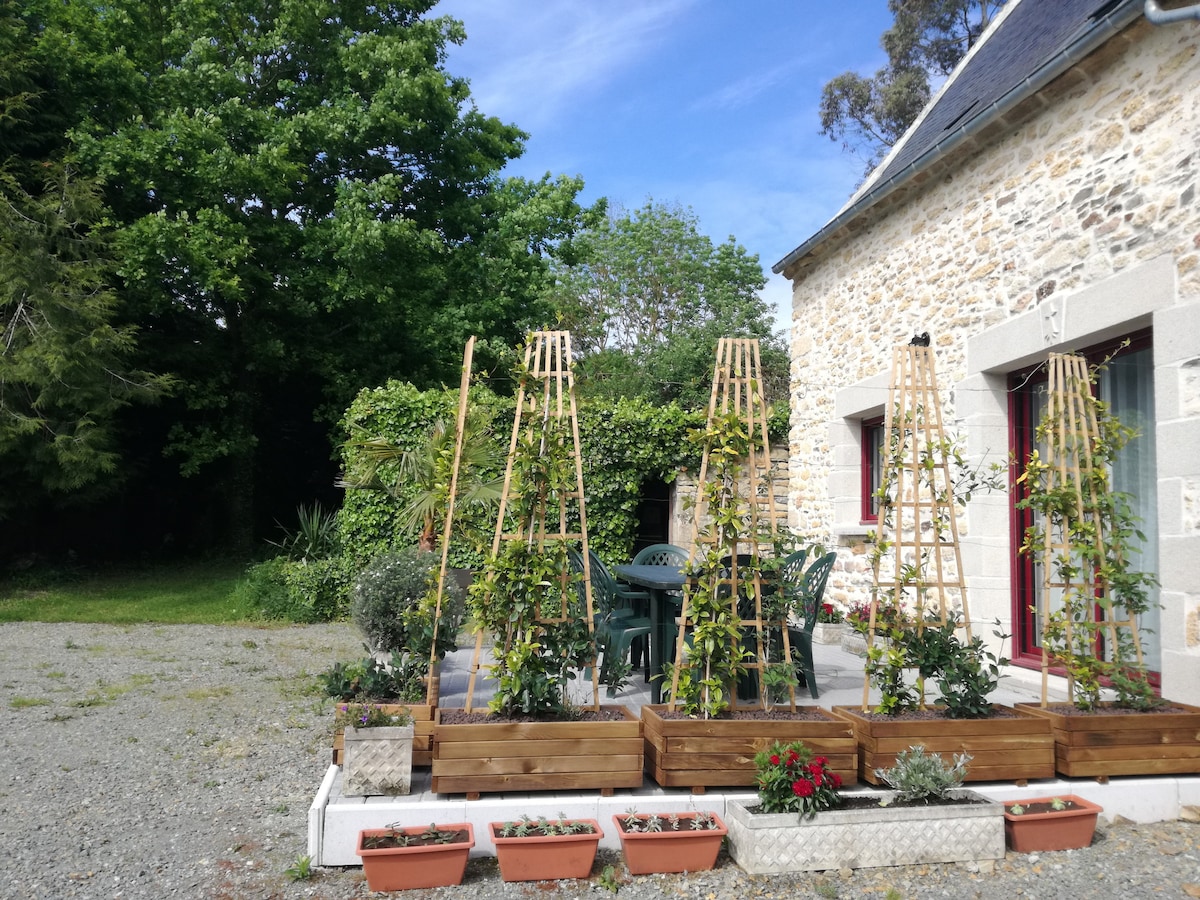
<point>1003,748</point>
<point>1126,743</point>
<point>700,753</point>
<point>497,756</point>
<point>422,716</point>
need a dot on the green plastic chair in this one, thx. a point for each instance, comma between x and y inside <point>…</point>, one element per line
<point>811,589</point>
<point>654,555</point>
<point>614,624</point>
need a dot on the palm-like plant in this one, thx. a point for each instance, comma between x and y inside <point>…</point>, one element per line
<point>422,474</point>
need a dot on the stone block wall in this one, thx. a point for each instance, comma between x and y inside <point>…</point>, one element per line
<point>1093,178</point>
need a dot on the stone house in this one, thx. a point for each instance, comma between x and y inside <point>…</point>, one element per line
<point>1045,201</point>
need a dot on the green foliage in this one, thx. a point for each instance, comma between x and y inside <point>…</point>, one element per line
<point>916,776</point>
<point>715,654</point>
<point>647,296</point>
<point>400,445</point>
<point>1095,534</point>
<point>300,201</point>
<point>301,869</point>
<point>791,779</point>
<point>966,672</point>
<point>303,591</point>
<point>397,681</point>
<point>316,534</point>
<point>368,715</point>
<point>927,38</point>
<point>394,600</point>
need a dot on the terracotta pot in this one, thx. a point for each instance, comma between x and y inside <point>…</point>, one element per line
<point>418,866</point>
<point>684,850</point>
<point>546,857</point>
<point>1043,828</point>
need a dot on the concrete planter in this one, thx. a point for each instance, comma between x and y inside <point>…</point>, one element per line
<point>863,838</point>
<point>378,761</point>
<point>829,632</point>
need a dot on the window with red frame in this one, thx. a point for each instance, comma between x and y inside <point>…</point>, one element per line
<point>1126,383</point>
<point>872,467</point>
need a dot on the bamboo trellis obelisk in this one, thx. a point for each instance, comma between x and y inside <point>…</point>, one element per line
<point>545,408</point>
<point>1072,432</point>
<point>464,385</point>
<point>736,394</point>
<point>919,574</point>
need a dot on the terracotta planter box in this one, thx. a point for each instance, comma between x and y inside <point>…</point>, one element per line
<point>700,753</point>
<point>418,866</point>
<point>1097,745</point>
<point>863,838</point>
<point>1012,747</point>
<point>684,850</point>
<point>499,755</point>
<point>1043,828</point>
<point>546,857</point>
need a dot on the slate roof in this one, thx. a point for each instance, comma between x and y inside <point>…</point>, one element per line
<point>1030,43</point>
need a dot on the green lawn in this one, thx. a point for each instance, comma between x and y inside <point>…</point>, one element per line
<point>193,592</point>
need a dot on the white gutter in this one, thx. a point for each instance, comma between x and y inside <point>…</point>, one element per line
<point>1156,15</point>
<point>1089,40</point>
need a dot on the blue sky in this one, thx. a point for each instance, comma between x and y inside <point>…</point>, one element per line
<point>711,104</point>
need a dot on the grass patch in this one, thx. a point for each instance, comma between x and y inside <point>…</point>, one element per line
<point>199,593</point>
<point>26,702</point>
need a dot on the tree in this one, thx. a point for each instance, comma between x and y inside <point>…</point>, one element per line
<point>65,368</point>
<point>647,296</point>
<point>927,39</point>
<point>303,202</point>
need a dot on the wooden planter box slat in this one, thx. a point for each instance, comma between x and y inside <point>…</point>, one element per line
<point>1133,743</point>
<point>422,715</point>
<point>493,757</point>
<point>702,753</point>
<point>1009,748</point>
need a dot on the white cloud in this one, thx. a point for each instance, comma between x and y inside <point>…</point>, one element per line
<point>528,62</point>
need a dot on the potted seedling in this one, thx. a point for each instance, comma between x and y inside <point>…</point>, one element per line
<point>1064,822</point>
<point>669,842</point>
<point>377,756</point>
<point>397,858</point>
<point>545,849</point>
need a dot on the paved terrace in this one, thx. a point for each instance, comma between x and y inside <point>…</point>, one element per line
<point>335,820</point>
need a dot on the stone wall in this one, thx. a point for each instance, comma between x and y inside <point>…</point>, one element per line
<point>1093,178</point>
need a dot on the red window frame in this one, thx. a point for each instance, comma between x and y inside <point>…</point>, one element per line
<point>1023,386</point>
<point>871,468</point>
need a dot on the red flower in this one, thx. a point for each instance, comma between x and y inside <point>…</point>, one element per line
<point>793,756</point>
<point>818,779</point>
<point>820,761</point>
<point>803,788</point>
<point>836,779</point>
<point>814,767</point>
<point>774,759</point>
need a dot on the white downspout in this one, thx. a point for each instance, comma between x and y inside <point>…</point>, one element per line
<point>1156,15</point>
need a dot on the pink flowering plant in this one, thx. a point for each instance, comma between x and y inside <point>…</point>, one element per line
<point>791,779</point>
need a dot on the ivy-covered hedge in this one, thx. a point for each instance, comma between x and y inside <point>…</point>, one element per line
<point>623,444</point>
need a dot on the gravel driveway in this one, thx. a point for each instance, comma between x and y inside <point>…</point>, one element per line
<point>180,761</point>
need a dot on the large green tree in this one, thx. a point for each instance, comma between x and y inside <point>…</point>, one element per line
<point>647,296</point>
<point>303,201</point>
<point>64,365</point>
<point>926,41</point>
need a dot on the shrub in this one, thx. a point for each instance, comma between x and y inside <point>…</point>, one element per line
<point>393,604</point>
<point>304,591</point>
<point>916,776</point>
